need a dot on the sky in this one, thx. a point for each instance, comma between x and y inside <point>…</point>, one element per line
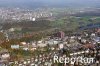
<point>49,3</point>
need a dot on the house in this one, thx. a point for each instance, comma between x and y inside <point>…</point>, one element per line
<point>53,42</point>
<point>97,39</point>
<point>15,46</point>
<point>23,43</point>
<point>61,46</point>
<point>88,46</point>
<point>32,49</point>
<point>25,48</point>
<point>41,45</point>
<point>4,54</point>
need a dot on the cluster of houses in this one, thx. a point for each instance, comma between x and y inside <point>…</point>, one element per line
<point>87,42</point>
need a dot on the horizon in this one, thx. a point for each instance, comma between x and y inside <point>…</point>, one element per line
<point>49,3</point>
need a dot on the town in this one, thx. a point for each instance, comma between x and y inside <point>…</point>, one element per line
<point>37,37</point>
<point>23,14</point>
<point>85,44</point>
